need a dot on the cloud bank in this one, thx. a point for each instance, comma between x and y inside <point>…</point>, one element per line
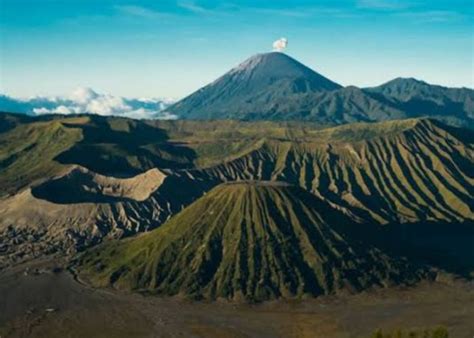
<point>87,101</point>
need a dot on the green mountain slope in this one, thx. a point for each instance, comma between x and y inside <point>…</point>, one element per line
<point>403,171</point>
<point>97,177</point>
<point>416,98</point>
<point>395,171</point>
<point>27,151</point>
<point>251,240</point>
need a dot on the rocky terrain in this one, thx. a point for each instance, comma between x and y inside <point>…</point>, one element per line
<point>41,300</point>
<point>393,172</point>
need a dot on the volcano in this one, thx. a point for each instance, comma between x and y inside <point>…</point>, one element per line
<point>246,240</point>
<point>274,86</point>
<point>250,89</point>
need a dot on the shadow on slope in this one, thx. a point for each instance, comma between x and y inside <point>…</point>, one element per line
<point>448,246</point>
<point>252,241</point>
<point>124,147</point>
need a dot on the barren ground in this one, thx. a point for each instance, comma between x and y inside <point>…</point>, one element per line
<point>54,304</point>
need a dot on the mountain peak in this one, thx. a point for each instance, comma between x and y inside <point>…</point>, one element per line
<point>258,59</point>
<point>245,240</point>
<point>268,57</point>
<point>405,88</point>
<point>267,68</point>
<point>252,87</point>
<point>405,81</point>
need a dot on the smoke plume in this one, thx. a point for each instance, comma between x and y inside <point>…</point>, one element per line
<point>280,44</point>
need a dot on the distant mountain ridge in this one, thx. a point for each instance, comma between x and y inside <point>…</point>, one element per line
<point>274,86</point>
<point>268,68</point>
<point>417,98</point>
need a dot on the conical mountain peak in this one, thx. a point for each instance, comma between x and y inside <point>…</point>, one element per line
<point>246,240</point>
<point>252,88</point>
<point>268,68</point>
<point>275,66</point>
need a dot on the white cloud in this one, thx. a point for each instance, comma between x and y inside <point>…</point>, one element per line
<point>41,111</point>
<point>107,105</point>
<point>280,44</point>
<point>87,101</point>
<point>62,109</point>
<point>145,114</point>
<point>83,95</point>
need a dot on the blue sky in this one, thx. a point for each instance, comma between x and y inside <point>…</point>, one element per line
<point>170,48</point>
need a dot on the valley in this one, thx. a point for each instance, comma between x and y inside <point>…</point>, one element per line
<point>166,170</point>
<point>114,177</point>
<point>249,220</point>
<point>76,310</point>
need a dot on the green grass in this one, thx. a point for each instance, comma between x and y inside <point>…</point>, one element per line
<point>393,171</point>
<point>238,241</point>
<point>252,241</point>
<point>127,147</point>
<point>27,153</point>
<point>357,132</point>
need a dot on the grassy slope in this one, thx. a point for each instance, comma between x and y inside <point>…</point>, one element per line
<point>124,147</point>
<point>392,171</point>
<point>35,149</point>
<point>395,171</point>
<point>249,240</point>
<point>27,152</point>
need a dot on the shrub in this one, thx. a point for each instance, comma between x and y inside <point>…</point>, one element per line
<point>440,332</point>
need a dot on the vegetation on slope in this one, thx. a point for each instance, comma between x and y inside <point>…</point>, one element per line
<point>454,106</point>
<point>408,171</point>
<point>247,240</point>
<point>394,171</point>
<point>27,152</point>
<point>123,147</point>
<point>389,172</point>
